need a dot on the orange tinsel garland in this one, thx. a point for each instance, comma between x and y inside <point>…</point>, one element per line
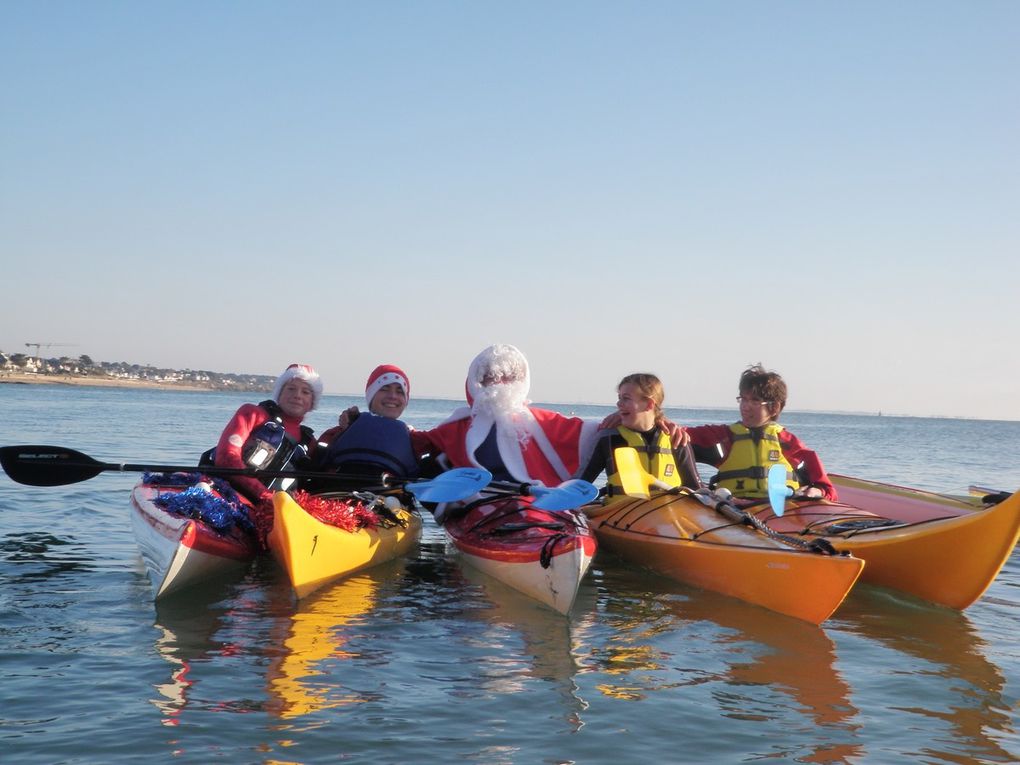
<point>348,513</point>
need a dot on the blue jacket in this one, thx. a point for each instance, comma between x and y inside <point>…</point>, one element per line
<point>372,440</point>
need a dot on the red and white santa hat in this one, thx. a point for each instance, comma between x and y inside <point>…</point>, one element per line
<point>299,372</point>
<point>385,374</point>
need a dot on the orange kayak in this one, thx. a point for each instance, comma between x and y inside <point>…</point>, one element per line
<point>678,536</point>
<point>939,548</point>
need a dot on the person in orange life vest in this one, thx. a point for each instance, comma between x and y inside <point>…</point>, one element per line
<point>270,436</point>
<point>639,406</point>
<point>500,432</point>
<point>374,442</point>
<point>744,451</point>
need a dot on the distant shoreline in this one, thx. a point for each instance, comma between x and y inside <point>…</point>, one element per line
<point>14,378</point>
<point>102,382</point>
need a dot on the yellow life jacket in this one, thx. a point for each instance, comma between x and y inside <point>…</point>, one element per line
<point>657,460</point>
<point>745,469</point>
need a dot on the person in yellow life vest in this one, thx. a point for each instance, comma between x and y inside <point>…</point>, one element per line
<point>744,451</point>
<point>639,406</point>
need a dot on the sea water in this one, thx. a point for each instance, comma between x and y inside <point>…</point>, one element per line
<point>424,660</point>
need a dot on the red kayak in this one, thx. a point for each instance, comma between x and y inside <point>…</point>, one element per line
<point>181,551</point>
<point>542,553</point>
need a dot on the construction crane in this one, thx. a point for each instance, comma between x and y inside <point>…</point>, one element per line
<point>39,346</point>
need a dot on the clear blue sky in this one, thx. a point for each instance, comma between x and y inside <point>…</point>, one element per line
<point>684,188</point>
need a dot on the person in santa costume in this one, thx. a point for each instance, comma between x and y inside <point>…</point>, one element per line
<point>373,442</point>
<point>501,432</point>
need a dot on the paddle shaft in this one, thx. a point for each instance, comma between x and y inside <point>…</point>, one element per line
<point>57,466</point>
<point>567,496</point>
<point>127,467</point>
<point>225,471</point>
<point>627,462</point>
<point>509,487</point>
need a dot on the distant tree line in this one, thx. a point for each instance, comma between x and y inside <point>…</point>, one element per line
<point>84,366</point>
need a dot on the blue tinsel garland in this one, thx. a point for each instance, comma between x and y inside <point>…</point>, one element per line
<point>221,512</point>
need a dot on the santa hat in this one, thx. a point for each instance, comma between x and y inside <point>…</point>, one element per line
<point>299,372</point>
<point>386,374</point>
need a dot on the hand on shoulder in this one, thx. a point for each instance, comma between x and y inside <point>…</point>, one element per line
<point>347,416</point>
<point>611,421</point>
<point>678,435</point>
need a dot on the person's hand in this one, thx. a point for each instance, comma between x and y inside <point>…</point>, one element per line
<point>611,421</point>
<point>678,435</point>
<point>347,416</point>
<point>809,492</point>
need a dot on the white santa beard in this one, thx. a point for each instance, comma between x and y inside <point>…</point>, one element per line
<point>503,403</point>
<point>513,433</point>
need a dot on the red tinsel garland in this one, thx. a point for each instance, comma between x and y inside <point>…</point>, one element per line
<point>348,514</point>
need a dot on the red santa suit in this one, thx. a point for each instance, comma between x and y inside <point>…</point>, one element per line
<point>534,445</point>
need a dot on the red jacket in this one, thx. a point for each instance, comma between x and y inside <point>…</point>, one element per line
<point>234,437</point>
<point>564,434</point>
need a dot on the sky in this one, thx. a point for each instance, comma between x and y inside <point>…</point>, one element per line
<point>683,188</point>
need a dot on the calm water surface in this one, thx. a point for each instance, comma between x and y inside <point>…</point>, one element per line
<point>422,660</point>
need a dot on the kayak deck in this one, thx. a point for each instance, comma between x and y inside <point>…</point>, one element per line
<point>678,536</point>
<point>939,548</point>
<point>314,553</point>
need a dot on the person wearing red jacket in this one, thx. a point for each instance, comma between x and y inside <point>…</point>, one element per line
<point>270,436</point>
<point>744,451</point>
<point>501,432</point>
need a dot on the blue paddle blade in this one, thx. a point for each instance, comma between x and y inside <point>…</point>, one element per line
<point>778,490</point>
<point>566,496</point>
<point>451,486</point>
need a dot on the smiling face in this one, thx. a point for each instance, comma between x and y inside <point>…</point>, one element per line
<point>637,411</point>
<point>754,413</point>
<point>389,401</point>
<point>296,398</point>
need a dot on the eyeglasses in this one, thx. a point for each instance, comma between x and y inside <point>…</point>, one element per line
<point>752,401</point>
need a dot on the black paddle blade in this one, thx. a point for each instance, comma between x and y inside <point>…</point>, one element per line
<point>47,465</point>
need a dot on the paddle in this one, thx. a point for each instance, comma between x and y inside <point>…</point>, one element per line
<point>451,486</point>
<point>58,466</point>
<point>566,496</point>
<point>778,490</point>
<point>635,478</point>
<point>989,496</point>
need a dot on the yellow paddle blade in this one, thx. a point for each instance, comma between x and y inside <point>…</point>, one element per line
<point>632,475</point>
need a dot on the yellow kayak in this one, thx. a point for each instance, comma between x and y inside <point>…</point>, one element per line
<point>315,553</point>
